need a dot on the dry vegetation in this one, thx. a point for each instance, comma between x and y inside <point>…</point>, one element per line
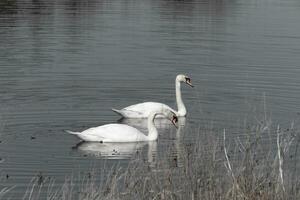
<point>213,168</point>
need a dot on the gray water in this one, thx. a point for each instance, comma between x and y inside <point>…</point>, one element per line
<point>65,63</point>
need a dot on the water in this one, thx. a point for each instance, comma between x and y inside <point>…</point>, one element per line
<point>64,64</point>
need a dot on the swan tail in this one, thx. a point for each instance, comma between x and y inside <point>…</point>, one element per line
<point>72,132</point>
<point>119,112</point>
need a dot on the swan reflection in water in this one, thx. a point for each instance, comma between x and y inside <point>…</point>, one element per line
<point>125,150</point>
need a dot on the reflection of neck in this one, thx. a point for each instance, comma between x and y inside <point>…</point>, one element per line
<point>152,149</point>
<point>178,134</point>
<point>180,106</point>
<point>179,144</point>
<point>152,132</point>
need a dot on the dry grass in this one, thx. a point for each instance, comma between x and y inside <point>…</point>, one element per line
<point>213,168</point>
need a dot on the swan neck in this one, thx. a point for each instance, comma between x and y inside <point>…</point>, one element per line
<point>152,131</point>
<point>180,106</point>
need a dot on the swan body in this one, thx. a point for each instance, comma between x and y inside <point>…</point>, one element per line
<point>123,132</point>
<point>111,133</point>
<point>143,110</point>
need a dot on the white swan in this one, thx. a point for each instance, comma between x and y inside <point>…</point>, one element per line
<point>124,133</point>
<point>143,110</point>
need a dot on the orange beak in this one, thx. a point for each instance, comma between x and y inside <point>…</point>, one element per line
<point>190,84</point>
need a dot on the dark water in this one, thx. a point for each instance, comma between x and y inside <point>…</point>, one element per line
<point>65,63</point>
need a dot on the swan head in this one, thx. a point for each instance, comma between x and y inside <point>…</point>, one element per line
<point>171,116</point>
<point>185,79</point>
